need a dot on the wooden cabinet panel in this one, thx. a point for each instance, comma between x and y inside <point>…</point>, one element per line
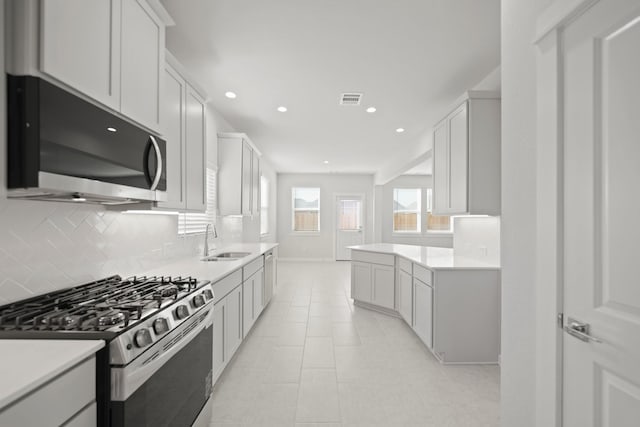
<point>247,307</point>
<point>423,312</point>
<point>196,150</point>
<point>247,155</point>
<point>255,183</point>
<point>57,400</point>
<point>173,126</point>
<point>142,63</point>
<point>405,291</point>
<point>361,281</point>
<point>79,52</point>
<point>383,285</point>
<point>233,322</point>
<point>219,359</point>
<point>258,293</point>
<point>458,159</point>
<point>441,168</point>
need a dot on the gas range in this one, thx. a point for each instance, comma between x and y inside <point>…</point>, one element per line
<point>153,326</point>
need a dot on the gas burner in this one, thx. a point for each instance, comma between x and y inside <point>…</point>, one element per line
<point>112,318</point>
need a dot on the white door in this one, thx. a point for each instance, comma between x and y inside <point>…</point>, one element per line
<point>601,379</point>
<point>349,231</point>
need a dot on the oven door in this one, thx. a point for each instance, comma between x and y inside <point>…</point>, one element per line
<point>169,384</point>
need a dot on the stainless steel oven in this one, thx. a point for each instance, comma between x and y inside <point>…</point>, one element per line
<point>62,147</point>
<point>170,383</point>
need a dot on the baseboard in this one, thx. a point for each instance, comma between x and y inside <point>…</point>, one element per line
<point>373,307</point>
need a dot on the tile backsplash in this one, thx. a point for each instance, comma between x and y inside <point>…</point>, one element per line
<point>46,246</point>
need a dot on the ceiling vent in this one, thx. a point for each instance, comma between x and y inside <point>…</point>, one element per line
<point>350,98</point>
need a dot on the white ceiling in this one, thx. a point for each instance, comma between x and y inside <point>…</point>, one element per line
<point>410,58</point>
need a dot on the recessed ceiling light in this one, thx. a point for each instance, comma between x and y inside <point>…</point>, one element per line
<point>230,95</point>
<point>400,130</point>
<point>326,162</point>
<point>110,129</point>
<point>371,110</point>
<point>282,109</point>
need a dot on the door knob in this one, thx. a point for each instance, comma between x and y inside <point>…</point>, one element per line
<point>579,330</point>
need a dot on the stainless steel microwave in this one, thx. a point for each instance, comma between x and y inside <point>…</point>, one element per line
<point>64,148</point>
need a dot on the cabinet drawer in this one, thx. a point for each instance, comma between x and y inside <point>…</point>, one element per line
<point>423,274</point>
<point>373,257</point>
<point>405,265</point>
<point>251,268</point>
<point>56,401</point>
<point>223,286</point>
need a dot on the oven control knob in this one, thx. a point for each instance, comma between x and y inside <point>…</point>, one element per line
<point>208,293</point>
<point>142,338</point>
<point>181,312</point>
<point>160,326</point>
<point>197,301</point>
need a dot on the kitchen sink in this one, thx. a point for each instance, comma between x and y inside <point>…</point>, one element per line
<point>214,258</point>
<point>232,255</point>
<point>226,256</point>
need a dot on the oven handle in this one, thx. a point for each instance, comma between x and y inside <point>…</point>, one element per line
<point>126,380</point>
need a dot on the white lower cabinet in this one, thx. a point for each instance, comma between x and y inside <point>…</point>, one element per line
<point>227,329</point>
<point>59,401</point>
<point>252,304</point>
<point>373,279</point>
<point>405,300</point>
<point>423,311</point>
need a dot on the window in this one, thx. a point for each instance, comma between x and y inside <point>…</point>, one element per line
<point>264,205</point>
<point>306,209</point>
<point>436,222</point>
<point>192,223</point>
<point>406,210</point>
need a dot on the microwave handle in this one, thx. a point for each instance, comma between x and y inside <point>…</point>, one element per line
<point>158,174</point>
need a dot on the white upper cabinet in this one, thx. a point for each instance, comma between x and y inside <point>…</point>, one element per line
<point>80,52</point>
<point>110,51</point>
<point>142,63</point>
<point>239,175</point>
<point>466,157</point>
<point>196,151</point>
<point>183,125</point>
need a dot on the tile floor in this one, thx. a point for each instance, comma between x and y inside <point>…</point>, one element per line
<point>313,359</point>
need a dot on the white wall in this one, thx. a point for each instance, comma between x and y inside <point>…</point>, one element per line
<point>321,245</point>
<point>518,222</point>
<point>384,206</point>
<point>478,238</point>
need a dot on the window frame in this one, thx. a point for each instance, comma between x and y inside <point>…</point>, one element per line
<point>293,211</point>
<point>429,204</point>
<point>194,223</point>
<point>418,212</point>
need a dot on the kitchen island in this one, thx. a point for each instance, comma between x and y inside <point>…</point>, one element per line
<point>451,302</point>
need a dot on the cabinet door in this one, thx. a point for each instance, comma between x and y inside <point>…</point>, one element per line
<point>255,183</point>
<point>405,305</point>
<point>233,322</point>
<point>361,281</point>
<point>258,293</point>
<point>195,152</point>
<point>247,154</point>
<point>440,169</point>
<point>384,289</point>
<point>83,52</point>
<point>458,161</point>
<point>247,306</point>
<point>218,337</point>
<point>142,66</point>
<point>422,311</point>
<point>173,127</point>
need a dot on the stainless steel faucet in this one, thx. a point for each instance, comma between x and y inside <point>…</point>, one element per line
<point>206,238</point>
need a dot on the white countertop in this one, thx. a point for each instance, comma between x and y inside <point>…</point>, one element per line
<point>428,256</point>
<point>213,270</point>
<point>27,364</point>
